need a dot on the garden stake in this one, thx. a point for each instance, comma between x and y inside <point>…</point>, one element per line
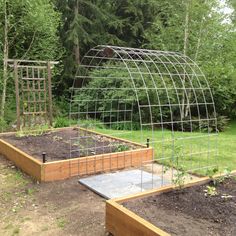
<point>148,140</point>
<point>44,157</point>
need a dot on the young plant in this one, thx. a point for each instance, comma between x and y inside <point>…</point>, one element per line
<point>121,148</point>
<point>180,177</point>
<point>210,191</point>
<point>60,122</point>
<point>34,131</point>
<point>226,175</point>
<point>211,173</point>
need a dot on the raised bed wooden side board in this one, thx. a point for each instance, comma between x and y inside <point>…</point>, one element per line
<point>121,221</point>
<point>25,162</point>
<point>64,169</point>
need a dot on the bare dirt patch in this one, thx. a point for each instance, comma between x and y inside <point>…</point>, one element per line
<point>57,144</point>
<point>58,208</point>
<point>199,210</point>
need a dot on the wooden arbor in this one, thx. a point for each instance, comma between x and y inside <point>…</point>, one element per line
<point>33,92</point>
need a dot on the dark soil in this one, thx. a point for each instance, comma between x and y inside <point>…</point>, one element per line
<point>191,211</point>
<point>67,143</point>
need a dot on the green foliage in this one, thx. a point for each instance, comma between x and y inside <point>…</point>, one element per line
<point>85,24</point>
<point>90,23</point>
<point>66,30</point>
<point>222,123</point>
<point>61,106</point>
<point>226,142</point>
<point>32,33</point>
<point>232,4</point>
<point>121,148</point>
<point>61,222</point>
<point>33,30</point>
<point>180,177</point>
<point>126,126</point>
<point>212,172</point>
<point>122,98</point>
<point>3,124</point>
<point>34,131</point>
<point>61,122</point>
<point>210,191</point>
<point>206,34</point>
<point>120,95</point>
<point>90,124</point>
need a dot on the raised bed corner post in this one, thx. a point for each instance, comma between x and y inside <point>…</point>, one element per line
<point>148,142</point>
<point>49,92</point>
<point>44,157</point>
<point>17,94</point>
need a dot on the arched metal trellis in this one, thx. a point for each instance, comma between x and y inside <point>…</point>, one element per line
<point>145,96</point>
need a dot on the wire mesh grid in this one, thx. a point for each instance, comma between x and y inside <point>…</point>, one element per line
<point>141,95</point>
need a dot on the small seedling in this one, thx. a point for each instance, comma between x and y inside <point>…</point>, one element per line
<point>35,131</point>
<point>226,175</point>
<point>30,191</point>
<point>211,174</point>
<point>16,231</point>
<point>57,138</point>
<point>61,222</point>
<point>121,148</point>
<point>226,196</point>
<point>165,169</point>
<point>179,178</point>
<point>45,228</point>
<point>210,191</point>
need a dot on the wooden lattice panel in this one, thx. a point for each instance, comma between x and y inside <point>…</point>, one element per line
<point>33,92</point>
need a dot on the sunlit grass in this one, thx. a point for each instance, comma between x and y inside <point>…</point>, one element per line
<point>191,150</point>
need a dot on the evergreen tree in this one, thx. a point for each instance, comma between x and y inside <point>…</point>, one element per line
<point>85,24</point>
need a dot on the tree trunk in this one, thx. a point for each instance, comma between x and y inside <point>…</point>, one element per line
<point>195,59</point>
<point>76,46</point>
<point>186,36</point>
<point>5,57</point>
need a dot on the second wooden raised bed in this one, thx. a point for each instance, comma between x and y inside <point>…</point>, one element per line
<point>213,212</point>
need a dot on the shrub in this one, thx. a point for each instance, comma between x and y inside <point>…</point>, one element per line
<point>121,148</point>
<point>3,124</point>
<point>61,122</point>
<point>90,124</point>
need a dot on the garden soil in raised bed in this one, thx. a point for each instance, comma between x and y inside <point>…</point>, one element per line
<point>191,211</point>
<point>57,144</point>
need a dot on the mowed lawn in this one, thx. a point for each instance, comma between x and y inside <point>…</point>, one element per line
<point>193,151</point>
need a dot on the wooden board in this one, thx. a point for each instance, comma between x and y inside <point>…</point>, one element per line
<point>64,169</point>
<point>22,160</point>
<point>121,221</point>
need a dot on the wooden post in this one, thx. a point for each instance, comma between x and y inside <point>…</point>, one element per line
<point>17,95</point>
<point>49,92</point>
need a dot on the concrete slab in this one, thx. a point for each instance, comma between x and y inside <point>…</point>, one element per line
<point>123,183</point>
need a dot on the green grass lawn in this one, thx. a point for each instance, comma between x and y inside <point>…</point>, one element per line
<point>190,152</point>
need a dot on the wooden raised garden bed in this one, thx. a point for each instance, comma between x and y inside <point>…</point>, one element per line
<point>26,153</point>
<point>199,208</point>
